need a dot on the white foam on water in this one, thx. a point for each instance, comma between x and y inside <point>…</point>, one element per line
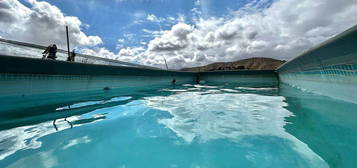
<point>205,117</point>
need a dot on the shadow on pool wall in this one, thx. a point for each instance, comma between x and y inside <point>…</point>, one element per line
<point>329,69</point>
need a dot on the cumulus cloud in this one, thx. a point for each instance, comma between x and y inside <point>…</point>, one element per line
<point>281,30</point>
<point>43,23</point>
<point>99,51</point>
<point>172,40</point>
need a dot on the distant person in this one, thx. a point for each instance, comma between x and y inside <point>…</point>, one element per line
<point>72,56</point>
<point>50,51</point>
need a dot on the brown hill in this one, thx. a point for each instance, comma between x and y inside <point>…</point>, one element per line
<point>250,63</point>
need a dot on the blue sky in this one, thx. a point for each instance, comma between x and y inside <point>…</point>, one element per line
<point>185,33</point>
<point>125,19</point>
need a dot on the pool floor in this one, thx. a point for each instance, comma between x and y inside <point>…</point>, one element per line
<point>188,126</point>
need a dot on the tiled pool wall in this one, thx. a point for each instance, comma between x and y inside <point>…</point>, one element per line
<point>33,82</point>
<point>259,77</point>
<point>329,69</point>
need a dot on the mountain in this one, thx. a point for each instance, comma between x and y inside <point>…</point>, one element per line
<point>257,63</point>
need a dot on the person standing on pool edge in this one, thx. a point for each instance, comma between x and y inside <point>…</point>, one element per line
<point>51,50</point>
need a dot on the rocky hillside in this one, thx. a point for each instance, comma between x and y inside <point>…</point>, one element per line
<point>250,63</point>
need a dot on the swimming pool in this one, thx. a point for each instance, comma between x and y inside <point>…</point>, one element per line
<point>206,125</point>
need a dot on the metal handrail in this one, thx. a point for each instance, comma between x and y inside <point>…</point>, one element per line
<point>85,58</point>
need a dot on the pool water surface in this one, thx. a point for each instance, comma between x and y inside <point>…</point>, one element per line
<point>189,126</point>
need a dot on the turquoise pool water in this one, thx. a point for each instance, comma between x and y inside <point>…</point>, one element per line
<point>188,126</point>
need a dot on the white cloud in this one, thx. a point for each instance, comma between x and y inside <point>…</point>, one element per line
<point>120,43</point>
<point>130,54</point>
<point>138,17</point>
<point>281,30</point>
<point>152,18</point>
<point>152,33</point>
<point>172,40</point>
<point>99,51</point>
<point>43,23</point>
<point>160,21</point>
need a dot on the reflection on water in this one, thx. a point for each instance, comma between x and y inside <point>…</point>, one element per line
<point>189,126</point>
<point>26,137</point>
<point>327,125</point>
<point>218,115</point>
<point>90,103</point>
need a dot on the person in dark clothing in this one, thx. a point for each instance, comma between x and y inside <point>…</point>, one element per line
<point>44,53</point>
<point>72,56</point>
<point>51,50</point>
